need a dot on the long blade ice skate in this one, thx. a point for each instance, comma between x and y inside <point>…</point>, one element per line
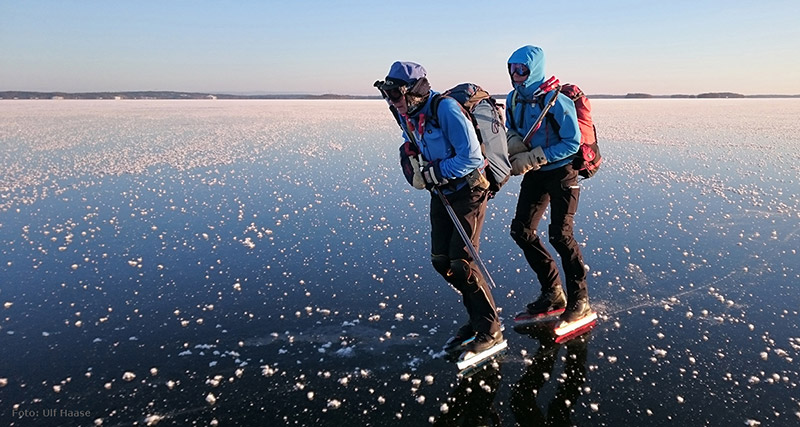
<point>565,328</point>
<point>579,332</point>
<point>468,358</point>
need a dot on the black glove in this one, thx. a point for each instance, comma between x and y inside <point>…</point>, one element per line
<point>433,175</point>
<point>411,167</point>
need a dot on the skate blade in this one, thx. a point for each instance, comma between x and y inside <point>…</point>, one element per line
<point>579,332</point>
<point>487,367</point>
<point>523,320</point>
<point>564,328</point>
<point>475,359</point>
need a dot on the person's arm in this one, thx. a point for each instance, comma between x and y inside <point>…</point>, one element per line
<point>461,135</point>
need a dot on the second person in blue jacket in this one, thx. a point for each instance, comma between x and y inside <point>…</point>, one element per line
<point>549,180</point>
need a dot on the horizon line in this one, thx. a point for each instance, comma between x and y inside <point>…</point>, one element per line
<point>298,95</point>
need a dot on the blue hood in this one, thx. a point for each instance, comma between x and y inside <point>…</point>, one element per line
<point>533,58</point>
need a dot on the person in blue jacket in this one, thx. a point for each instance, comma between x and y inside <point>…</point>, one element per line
<point>549,179</point>
<point>446,157</point>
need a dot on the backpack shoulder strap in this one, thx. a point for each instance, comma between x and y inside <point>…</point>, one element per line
<point>435,101</point>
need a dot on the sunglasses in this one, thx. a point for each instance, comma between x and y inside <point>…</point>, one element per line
<point>520,69</point>
<point>396,94</point>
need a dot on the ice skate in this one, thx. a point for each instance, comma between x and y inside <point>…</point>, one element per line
<point>457,342</point>
<point>577,317</point>
<point>545,309</point>
<point>580,332</point>
<point>481,348</point>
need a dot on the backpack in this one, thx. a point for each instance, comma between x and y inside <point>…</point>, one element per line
<point>588,158</point>
<point>486,117</point>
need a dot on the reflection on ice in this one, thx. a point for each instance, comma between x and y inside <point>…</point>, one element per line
<point>245,263</point>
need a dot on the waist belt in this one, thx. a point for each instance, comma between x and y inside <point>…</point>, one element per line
<point>458,183</point>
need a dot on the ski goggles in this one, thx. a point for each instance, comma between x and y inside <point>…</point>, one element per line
<point>520,69</point>
<point>395,94</point>
<point>392,90</point>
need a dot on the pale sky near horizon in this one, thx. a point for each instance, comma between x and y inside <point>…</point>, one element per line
<point>342,47</point>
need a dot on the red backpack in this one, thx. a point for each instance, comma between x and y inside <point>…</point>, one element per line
<point>588,159</point>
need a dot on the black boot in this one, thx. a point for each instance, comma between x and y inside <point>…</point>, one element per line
<point>484,341</point>
<point>550,300</point>
<point>577,309</point>
<point>464,333</point>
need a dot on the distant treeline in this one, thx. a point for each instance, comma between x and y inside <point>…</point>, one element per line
<point>161,95</point>
<point>197,95</point>
<point>702,95</point>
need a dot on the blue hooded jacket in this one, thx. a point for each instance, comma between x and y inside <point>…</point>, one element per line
<point>453,144</point>
<point>523,109</point>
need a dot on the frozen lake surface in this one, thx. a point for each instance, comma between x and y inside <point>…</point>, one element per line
<point>265,263</point>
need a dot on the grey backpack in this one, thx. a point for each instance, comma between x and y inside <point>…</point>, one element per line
<point>487,119</point>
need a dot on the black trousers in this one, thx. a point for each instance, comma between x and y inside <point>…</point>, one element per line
<point>450,256</point>
<point>559,189</point>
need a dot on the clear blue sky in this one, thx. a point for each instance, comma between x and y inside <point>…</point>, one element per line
<point>342,46</point>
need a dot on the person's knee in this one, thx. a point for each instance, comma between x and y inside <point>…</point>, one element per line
<point>560,236</point>
<point>465,278</point>
<point>441,263</point>
<point>522,237</point>
<point>460,272</point>
<point>518,232</point>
